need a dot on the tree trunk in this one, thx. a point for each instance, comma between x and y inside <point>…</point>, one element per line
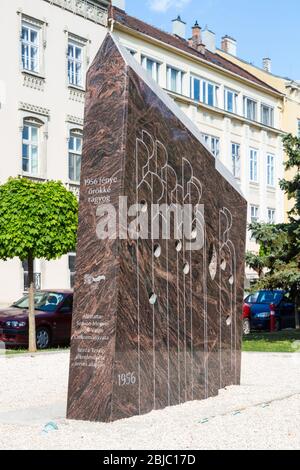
<point>31,312</point>
<point>297,309</point>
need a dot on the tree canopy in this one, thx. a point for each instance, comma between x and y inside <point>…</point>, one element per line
<point>36,219</point>
<point>279,244</point>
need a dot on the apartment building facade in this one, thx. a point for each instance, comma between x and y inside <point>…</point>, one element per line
<point>49,47</point>
<point>238,114</point>
<point>46,46</point>
<point>291,104</point>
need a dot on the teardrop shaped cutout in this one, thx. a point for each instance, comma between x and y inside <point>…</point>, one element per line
<point>157,251</point>
<point>186,268</point>
<point>144,205</point>
<point>178,245</point>
<point>152,298</point>
<point>213,263</point>
<point>194,234</point>
<point>223,264</point>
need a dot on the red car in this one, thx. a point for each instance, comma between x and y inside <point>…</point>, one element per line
<point>53,313</point>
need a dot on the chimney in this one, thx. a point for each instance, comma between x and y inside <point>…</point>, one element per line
<point>209,40</point>
<point>229,45</point>
<point>196,35</point>
<point>119,4</point>
<point>267,64</point>
<point>179,27</point>
<point>196,40</point>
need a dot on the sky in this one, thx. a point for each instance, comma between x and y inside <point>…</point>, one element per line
<point>262,28</point>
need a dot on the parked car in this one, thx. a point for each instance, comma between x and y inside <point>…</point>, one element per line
<point>257,310</point>
<point>53,313</point>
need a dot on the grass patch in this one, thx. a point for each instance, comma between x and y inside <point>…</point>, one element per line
<point>281,341</point>
<point>14,352</point>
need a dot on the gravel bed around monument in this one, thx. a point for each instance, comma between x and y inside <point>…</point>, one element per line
<point>262,413</point>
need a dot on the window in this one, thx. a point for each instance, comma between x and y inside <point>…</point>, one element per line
<point>30,148</point>
<point>236,160</point>
<point>67,305</point>
<point>253,166</point>
<point>215,146</point>
<point>30,45</point>
<point>299,128</point>
<point>75,64</point>
<point>204,91</point>
<point>195,88</point>
<point>36,277</point>
<point>270,170</point>
<point>213,143</point>
<point>209,93</point>
<point>230,101</point>
<point>267,115</point>
<point>43,301</point>
<point>264,297</point>
<point>250,109</point>
<point>271,216</point>
<point>72,259</point>
<point>254,213</point>
<point>174,80</point>
<point>152,67</point>
<point>75,151</point>
<point>252,299</point>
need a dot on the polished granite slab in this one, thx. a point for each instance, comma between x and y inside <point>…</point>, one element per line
<point>154,324</point>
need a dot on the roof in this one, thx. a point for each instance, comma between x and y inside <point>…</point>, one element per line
<point>121,17</point>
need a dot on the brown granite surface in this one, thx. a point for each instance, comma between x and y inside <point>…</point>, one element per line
<point>128,356</point>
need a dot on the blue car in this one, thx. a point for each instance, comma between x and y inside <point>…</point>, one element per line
<point>256,311</point>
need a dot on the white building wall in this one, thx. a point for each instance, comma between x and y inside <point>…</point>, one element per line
<point>227,127</point>
<point>47,97</point>
<point>60,108</point>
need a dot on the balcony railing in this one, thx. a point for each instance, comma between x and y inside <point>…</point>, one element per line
<point>73,187</point>
<point>85,8</point>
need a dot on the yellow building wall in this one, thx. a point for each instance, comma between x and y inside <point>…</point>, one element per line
<point>291,107</point>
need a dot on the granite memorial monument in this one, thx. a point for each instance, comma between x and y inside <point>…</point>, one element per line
<point>156,319</point>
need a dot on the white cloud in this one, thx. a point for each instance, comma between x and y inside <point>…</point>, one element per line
<point>164,5</point>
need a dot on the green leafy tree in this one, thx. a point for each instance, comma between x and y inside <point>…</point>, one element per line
<point>280,244</point>
<point>37,221</point>
<point>256,262</point>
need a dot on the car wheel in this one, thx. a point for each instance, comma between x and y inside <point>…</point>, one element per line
<point>246,326</point>
<point>277,325</point>
<point>42,338</point>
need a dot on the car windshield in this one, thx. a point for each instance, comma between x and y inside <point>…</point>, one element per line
<point>45,301</point>
<point>265,297</point>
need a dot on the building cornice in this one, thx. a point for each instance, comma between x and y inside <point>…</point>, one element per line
<point>96,12</point>
<point>34,109</point>
<point>221,112</point>
<point>74,120</point>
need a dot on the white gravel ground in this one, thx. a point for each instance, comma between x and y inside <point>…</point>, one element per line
<point>264,413</point>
